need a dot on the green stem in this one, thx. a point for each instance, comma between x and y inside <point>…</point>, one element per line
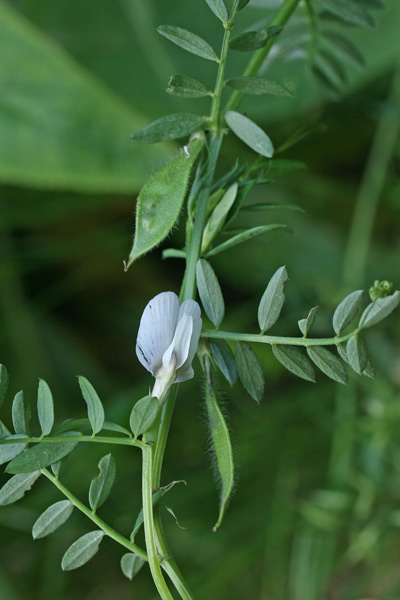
<point>162,435</point>
<point>169,564</point>
<point>149,527</point>
<point>219,84</point>
<point>273,339</point>
<point>281,17</point>
<point>117,537</point>
<point>67,439</point>
<point>194,232</point>
<point>189,287</point>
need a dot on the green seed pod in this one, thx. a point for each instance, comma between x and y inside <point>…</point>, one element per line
<point>161,198</point>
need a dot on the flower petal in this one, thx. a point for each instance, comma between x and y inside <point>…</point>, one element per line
<point>181,343</point>
<point>190,307</point>
<point>156,330</point>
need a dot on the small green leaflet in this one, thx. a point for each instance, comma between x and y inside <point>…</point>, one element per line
<point>52,518</point>
<point>281,166</point>
<point>349,11</point>
<point>272,300</point>
<point>347,310</point>
<point>372,4</point>
<point>379,310</point>
<point>293,359</point>
<point>21,414</point>
<point>223,358</point>
<point>241,197</point>
<point>82,550</point>
<point>131,565</point>
<point>357,354</point>
<point>94,405</point>
<point>84,425</point>
<point>187,87</point>
<point>342,353</point>
<point>253,40</point>
<point>219,9</point>
<point>249,370</point>
<point>4,431</point>
<point>59,466</point>
<point>258,86</point>
<point>267,206</point>
<point>244,236</point>
<point>369,370</point>
<point>210,292</point>
<point>143,415</point>
<point>160,201</point>
<point>218,217</point>
<point>188,41</point>
<point>344,48</point>
<point>16,487</point>
<point>173,253</point>
<point>328,363</point>
<point>171,127</point>
<point>330,70</point>
<point>375,4</point>
<point>42,455</point>
<point>45,407</point>
<point>10,451</point>
<point>221,444</point>
<point>101,485</point>
<point>250,133</point>
<point>3,383</point>
<point>306,324</point>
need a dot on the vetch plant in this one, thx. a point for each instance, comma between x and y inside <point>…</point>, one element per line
<point>170,331</point>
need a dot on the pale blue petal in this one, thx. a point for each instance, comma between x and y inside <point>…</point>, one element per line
<point>190,307</point>
<point>181,343</point>
<point>156,330</point>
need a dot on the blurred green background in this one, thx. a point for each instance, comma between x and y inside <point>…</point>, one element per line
<point>316,513</point>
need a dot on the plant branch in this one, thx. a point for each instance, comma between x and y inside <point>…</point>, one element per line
<point>67,439</point>
<point>189,282</point>
<point>117,537</point>
<point>274,339</point>
<point>148,521</point>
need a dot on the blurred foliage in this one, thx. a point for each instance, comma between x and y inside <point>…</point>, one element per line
<point>316,511</point>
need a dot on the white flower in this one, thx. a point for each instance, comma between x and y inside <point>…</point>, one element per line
<point>167,340</point>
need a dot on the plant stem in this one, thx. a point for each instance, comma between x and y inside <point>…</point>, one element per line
<point>272,339</point>
<point>148,521</point>
<point>219,84</point>
<point>189,284</point>
<point>67,439</point>
<point>117,537</point>
<point>169,564</point>
<point>281,17</point>
<point>194,233</point>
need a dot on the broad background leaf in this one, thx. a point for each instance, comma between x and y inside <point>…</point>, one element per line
<point>83,127</point>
